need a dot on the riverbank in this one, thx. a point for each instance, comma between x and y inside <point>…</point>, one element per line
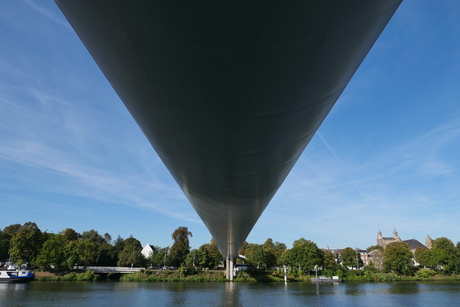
<point>166,276</point>
<point>218,276</point>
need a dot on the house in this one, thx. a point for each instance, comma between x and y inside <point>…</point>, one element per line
<point>148,250</point>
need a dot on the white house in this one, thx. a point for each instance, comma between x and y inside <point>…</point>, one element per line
<point>148,250</point>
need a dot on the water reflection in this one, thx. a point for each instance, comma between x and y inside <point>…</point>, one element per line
<point>12,286</point>
<point>231,295</point>
<point>410,288</point>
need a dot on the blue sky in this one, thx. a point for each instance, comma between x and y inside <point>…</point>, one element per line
<point>388,154</point>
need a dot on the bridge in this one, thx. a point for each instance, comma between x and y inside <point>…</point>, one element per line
<point>229,93</point>
<point>108,269</point>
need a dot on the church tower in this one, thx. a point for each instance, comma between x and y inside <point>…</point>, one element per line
<point>428,242</point>
<point>380,239</point>
<point>396,236</point>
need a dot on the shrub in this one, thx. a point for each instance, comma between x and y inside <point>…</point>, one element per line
<point>425,273</point>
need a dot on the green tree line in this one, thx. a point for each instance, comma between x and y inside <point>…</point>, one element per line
<point>68,248</point>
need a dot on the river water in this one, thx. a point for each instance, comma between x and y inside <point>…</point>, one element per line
<point>100,294</point>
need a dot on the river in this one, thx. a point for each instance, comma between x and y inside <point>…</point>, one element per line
<point>100,294</point>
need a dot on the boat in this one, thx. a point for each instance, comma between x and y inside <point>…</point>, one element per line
<point>14,274</point>
<point>334,279</point>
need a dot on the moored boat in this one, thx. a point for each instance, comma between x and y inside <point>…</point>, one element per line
<point>13,274</point>
<point>334,279</point>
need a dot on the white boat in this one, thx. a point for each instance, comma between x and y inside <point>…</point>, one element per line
<point>14,274</point>
<point>334,279</point>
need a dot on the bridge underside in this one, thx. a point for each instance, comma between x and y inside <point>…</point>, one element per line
<point>229,93</point>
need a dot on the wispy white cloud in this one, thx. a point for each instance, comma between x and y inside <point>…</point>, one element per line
<point>317,202</point>
<point>49,136</point>
<point>47,13</point>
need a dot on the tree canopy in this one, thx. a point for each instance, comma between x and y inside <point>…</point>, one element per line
<point>181,246</point>
<point>398,258</point>
<point>351,258</point>
<point>304,254</point>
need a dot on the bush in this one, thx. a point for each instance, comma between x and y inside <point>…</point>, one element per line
<point>87,276</point>
<point>425,273</point>
<point>73,276</point>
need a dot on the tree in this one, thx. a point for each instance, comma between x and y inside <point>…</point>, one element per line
<point>158,257</point>
<point>330,262</point>
<point>5,239</point>
<point>243,248</point>
<point>11,230</point>
<point>52,252</point>
<point>203,257</point>
<point>207,255</point>
<point>280,248</point>
<point>255,254</point>
<point>93,236</point>
<point>161,258</point>
<point>398,258</point>
<point>4,245</point>
<point>191,261</point>
<point>304,254</point>
<point>446,255</point>
<point>351,258</point>
<point>269,253</point>
<point>180,247</point>
<point>425,258</point>
<point>25,244</point>
<point>444,243</point>
<point>106,255</point>
<point>131,254</point>
<point>108,238</point>
<point>215,253</point>
<point>81,252</point>
<point>417,253</point>
<point>119,244</point>
<point>70,235</point>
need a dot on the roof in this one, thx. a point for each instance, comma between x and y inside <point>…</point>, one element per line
<point>414,244</point>
<point>151,247</point>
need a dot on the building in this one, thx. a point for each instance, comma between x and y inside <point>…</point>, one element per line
<point>412,243</point>
<point>377,256</point>
<point>148,250</point>
<point>384,241</point>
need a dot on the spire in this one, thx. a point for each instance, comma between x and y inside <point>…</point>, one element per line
<point>395,234</point>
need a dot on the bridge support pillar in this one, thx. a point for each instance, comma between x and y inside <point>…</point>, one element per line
<point>230,263</point>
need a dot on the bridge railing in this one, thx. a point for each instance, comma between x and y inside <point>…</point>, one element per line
<point>108,269</point>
